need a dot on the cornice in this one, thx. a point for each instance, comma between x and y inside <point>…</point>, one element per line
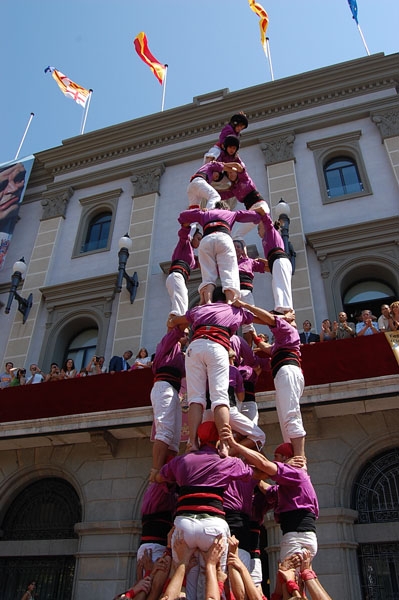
<point>277,98</point>
<point>354,237</point>
<point>81,290</point>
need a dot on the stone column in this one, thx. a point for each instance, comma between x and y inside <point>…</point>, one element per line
<point>129,323</point>
<point>54,205</point>
<point>280,165</point>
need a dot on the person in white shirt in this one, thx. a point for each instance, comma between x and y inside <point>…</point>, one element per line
<point>383,320</point>
<point>36,375</point>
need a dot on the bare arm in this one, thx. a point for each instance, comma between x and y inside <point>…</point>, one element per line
<point>233,166</point>
<point>183,555</point>
<point>240,579</point>
<point>174,320</point>
<point>262,316</point>
<point>212,558</point>
<point>251,456</point>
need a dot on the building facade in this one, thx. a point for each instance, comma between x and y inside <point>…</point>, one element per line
<point>327,143</point>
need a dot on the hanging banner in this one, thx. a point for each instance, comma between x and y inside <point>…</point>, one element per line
<point>14,178</point>
<point>393,340</point>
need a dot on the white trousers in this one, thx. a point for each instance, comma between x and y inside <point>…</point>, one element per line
<point>245,426</point>
<point>250,410</point>
<point>248,297</point>
<point>200,192</point>
<point>281,284</point>
<point>207,362</point>
<point>296,541</point>
<point>240,230</point>
<point>218,258</point>
<point>289,384</point>
<point>256,571</point>
<point>177,290</point>
<point>167,414</point>
<point>242,425</point>
<point>200,533</point>
<point>157,550</point>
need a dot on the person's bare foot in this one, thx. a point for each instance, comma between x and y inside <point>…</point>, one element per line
<point>191,447</point>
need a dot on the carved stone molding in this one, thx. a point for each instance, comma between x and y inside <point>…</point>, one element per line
<point>55,204</point>
<point>387,123</point>
<point>147,181</point>
<point>278,149</point>
<point>105,443</point>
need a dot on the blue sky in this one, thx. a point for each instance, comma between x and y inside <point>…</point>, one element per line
<point>208,45</point>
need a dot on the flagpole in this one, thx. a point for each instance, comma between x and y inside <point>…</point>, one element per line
<point>269,58</point>
<point>84,118</point>
<point>363,40</point>
<point>24,136</point>
<point>164,88</point>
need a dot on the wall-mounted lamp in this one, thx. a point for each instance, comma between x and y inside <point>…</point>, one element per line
<point>24,304</point>
<point>132,283</point>
<point>283,211</point>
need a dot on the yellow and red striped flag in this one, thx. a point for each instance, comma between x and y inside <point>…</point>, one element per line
<point>141,45</point>
<point>264,20</point>
<point>68,87</point>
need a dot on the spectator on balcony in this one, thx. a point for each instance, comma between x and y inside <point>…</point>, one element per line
<point>143,361</point>
<point>18,377</point>
<point>55,373</point>
<point>36,375</point>
<point>307,337</point>
<point>383,319</point>
<point>68,370</point>
<point>96,366</point>
<point>6,376</point>
<point>342,328</point>
<point>367,326</point>
<point>29,594</point>
<point>394,318</point>
<point>327,333</point>
<point>119,363</point>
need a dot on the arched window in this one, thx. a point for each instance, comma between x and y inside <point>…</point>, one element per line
<point>368,294</point>
<point>47,509</point>
<point>82,347</point>
<point>340,167</point>
<point>97,232</point>
<point>342,177</point>
<point>375,496</point>
<point>94,232</point>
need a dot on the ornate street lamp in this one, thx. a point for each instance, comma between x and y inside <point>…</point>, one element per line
<point>132,283</point>
<point>24,304</point>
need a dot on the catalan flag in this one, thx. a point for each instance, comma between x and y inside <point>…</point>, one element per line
<point>353,7</point>
<point>68,87</point>
<point>141,45</point>
<point>264,19</point>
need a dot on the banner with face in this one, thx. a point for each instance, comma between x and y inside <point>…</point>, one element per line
<point>14,178</point>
